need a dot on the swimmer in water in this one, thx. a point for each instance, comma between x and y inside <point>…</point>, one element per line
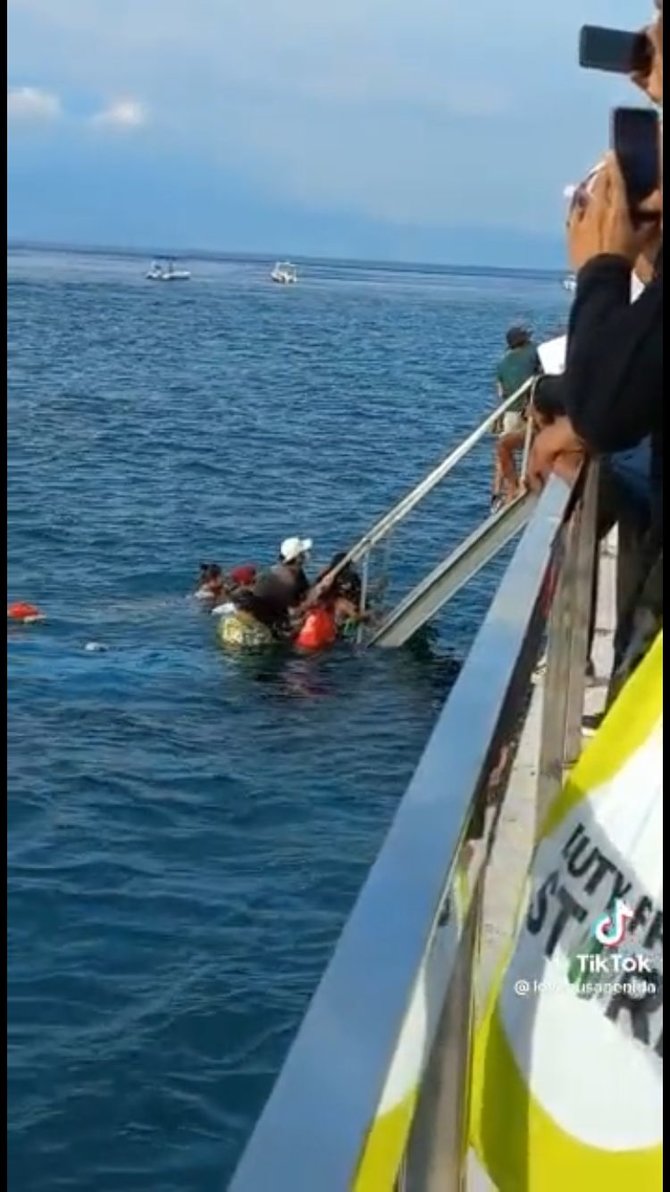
<point>242,578</point>
<point>347,582</point>
<point>335,608</point>
<point>347,589</point>
<point>319,627</point>
<point>211,584</point>
<point>240,582</point>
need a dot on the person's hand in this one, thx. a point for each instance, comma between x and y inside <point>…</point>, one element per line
<point>645,265</point>
<point>558,448</point>
<point>652,81</point>
<point>320,587</point>
<point>599,220</point>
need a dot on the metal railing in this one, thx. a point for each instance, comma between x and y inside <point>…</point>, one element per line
<point>394,516</point>
<point>373,1094</point>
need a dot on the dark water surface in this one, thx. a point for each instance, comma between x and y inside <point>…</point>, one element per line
<point>187,831</point>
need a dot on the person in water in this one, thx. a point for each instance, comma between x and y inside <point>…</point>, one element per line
<point>266,610</point>
<point>347,582</point>
<point>332,615</point>
<point>242,578</point>
<point>319,628</point>
<point>282,590</point>
<point>348,591</point>
<point>211,584</point>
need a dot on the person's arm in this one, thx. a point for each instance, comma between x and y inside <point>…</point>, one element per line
<point>350,611</point>
<point>614,367</point>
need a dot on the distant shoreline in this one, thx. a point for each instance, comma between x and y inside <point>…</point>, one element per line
<point>18,246</point>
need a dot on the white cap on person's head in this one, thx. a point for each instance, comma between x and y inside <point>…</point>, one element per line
<point>293,548</point>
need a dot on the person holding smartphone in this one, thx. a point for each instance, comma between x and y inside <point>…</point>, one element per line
<point>614,366</point>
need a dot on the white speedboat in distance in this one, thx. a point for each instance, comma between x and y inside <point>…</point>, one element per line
<point>167,272</point>
<point>285,273</point>
<point>570,283</point>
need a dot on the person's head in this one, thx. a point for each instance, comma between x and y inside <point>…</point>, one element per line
<point>294,552</point>
<point>547,402</point>
<point>209,572</point>
<point>244,576</point>
<point>347,572</point>
<point>213,579</point>
<point>517,337</point>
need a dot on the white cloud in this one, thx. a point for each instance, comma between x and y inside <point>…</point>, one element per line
<point>124,113</point>
<point>32,104</point>
<point>432,111</point>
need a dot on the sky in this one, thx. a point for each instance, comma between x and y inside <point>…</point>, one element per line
<point>416,130</point>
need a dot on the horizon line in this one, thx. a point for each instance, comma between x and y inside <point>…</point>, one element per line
<point>196,254</point>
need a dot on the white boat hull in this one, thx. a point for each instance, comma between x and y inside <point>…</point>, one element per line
<point>284,274</point>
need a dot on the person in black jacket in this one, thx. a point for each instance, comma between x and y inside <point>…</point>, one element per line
<point>614,367</point>
<point>615,352</point>
<point>614,387</point>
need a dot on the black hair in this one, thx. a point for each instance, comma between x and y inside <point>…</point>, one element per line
<point>548,397</point>
<point>210,571</point>
<point>517,337</point>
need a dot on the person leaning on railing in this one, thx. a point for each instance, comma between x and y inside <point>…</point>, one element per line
<point>614,367</point>
<point>623,501</point>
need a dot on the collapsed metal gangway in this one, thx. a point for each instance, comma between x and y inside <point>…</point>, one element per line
<point>456,569</point>
<point>453,573</point>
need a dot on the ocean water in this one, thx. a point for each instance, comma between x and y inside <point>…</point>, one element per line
<point>187,831</point>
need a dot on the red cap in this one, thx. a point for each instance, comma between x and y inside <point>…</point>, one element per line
<point>243,576</point>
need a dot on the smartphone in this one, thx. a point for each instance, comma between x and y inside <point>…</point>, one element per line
<point>614,50</point>
<point>635,141</point>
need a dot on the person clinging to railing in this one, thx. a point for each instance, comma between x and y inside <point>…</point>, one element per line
<point>520,362</point>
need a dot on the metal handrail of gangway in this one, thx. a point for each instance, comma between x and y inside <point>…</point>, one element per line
<point>373,1095</point>
<point>406,504</point>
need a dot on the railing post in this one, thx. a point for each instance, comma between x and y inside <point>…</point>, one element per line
<point>567,645</point>
<point>583,578</point>
<point>436,1154</point>
<point>365,583</point>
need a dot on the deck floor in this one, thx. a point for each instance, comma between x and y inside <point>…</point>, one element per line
<point>513,845</point>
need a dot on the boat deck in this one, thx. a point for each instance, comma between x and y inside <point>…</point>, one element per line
<point>516,827</point>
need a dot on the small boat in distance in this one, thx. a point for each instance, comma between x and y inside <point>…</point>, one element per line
<point>284,273</point>
<point>570,283</point>
<point>167,272</point>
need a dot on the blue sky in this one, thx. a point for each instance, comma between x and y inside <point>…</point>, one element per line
<point>429,130</point>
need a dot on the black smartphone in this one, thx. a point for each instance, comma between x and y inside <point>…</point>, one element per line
<point>635,141</point>
<point>614,50</point>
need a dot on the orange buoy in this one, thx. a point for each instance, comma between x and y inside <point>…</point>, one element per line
<point>21,610</point>
<point>318,630</point>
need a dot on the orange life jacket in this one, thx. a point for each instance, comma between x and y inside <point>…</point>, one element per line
<point>318,630</point>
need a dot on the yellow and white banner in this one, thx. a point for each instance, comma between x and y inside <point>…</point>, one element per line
<point>389,1132</point>
<point>567,1093</point>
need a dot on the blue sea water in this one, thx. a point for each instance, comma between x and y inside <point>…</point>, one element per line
<point>187,831</point>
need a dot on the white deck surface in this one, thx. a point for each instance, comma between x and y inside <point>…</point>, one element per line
<point>514,838</point>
